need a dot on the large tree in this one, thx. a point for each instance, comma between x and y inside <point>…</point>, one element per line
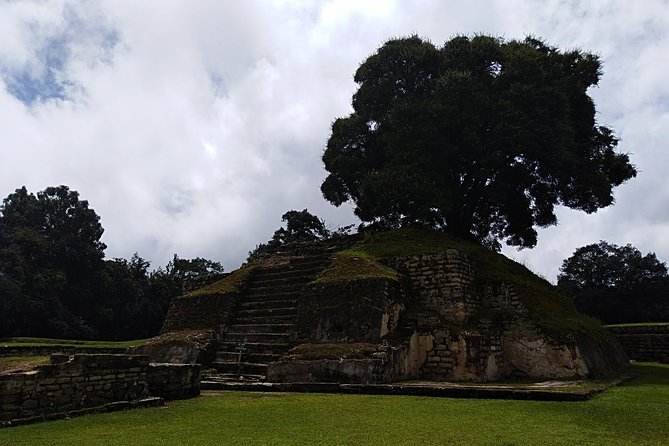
<point>481,137</point>
<point>616,283</point>
<point>605,265</point>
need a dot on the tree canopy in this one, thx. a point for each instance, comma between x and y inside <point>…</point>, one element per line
<point>301,226</point>
<point>605,265</point>
<point>54,281</point>
<point>481,137</point>
<point>616,284</point>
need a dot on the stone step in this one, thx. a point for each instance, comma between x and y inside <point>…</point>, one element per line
<point>243,368</point>
<point>254,289</point>
<point>263,282</point>
<point>257,337</point>
<point>247,357</point>
<point>275,304</point>
<point>273,348</point>
<point>263,311</point>
<point>266,319</point>
<point>286,272</point>
<point>230,377</point>
<point>266,296</point>
<point>260,328</point>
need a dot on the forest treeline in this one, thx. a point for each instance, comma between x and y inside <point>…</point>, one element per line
<point>55,281</point>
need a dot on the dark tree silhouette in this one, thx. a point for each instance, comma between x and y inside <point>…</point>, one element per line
<point>481,137</point>
<point>616,284</point>
<point>301,226</point>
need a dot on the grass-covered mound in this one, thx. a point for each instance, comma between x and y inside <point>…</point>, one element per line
<point>548,307</point>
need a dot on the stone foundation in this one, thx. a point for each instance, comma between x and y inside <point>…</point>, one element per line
<point>644,343</point>
<point>71,385</point>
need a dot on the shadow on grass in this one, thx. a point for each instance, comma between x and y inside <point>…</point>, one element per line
<point>648,373</point>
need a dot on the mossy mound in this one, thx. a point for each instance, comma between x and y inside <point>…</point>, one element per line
<point>547,306</point>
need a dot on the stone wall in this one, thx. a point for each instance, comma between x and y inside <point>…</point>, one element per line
<point>174,381</point>
<point>362,310</point>
<point>73,383</point>
<point>442,283</point>
<point>644,343</point>
<point>203,312</point>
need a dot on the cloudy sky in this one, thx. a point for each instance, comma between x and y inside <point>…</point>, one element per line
<point>191,126</point>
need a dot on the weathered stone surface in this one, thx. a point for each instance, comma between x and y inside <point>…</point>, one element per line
<point>181,347</point>
<point>356,311</point>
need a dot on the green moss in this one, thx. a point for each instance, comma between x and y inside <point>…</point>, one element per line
<point>229,284</point>
<point>333,351</point>
<point>348,266</point>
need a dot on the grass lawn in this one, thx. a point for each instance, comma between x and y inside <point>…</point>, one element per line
<point>636,413</point>
<point>46,342</point>
<point>14,363</point>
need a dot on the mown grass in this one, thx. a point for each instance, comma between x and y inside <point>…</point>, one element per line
<point>23,363</point>
<point>641,324</point>
<point>47,342</point>
<point>632,414</point>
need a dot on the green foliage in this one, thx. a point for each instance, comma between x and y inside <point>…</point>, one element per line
<point>616,283</point>
<point>631,414</point>
<point>605,265</point>
<point>54,281</point>
<point>301,226</point>
<point>480,137</point>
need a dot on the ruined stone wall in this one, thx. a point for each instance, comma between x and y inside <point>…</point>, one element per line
<point>350,311</point>
<point>204,312</point>
<point>466,356</point>
<point>174,381</point>
<point>73,383</point>
<point>644,343</point>
<point>442,283</point>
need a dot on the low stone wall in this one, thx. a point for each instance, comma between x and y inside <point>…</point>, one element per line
<point>73,383</point>
<point>644,343</point>
<point>203,312</point>
<point>174,381</point>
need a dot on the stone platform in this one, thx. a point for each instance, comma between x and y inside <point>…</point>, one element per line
<point>539,391</point>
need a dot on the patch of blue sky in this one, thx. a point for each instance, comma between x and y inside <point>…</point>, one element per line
<point>45,78</point>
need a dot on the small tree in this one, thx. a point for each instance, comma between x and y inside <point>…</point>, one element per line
<point>481,137</point>
<point>301,226</point>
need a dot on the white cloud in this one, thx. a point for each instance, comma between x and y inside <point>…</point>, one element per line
<point>192,126</point>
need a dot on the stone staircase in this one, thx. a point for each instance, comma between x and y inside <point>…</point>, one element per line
<point>263,325</point>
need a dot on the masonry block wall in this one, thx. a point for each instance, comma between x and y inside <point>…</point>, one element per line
<point>644,343</point>
<point>443,283</point>
<point>73,383</point>
<point>204,312</point>
<point>174,381</point>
